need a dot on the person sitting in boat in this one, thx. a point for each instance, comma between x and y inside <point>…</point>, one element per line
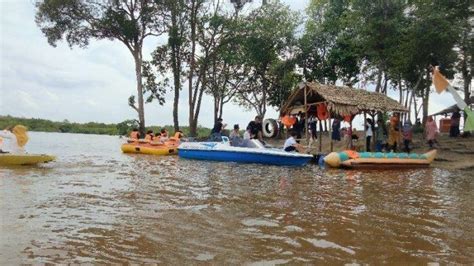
<point>164,134</point>
<point>255,128</point>
<point>216,132</point>
<point>15,139</point>
<point>234,136</point>
<point>149,135</point>
<point>407,132</point>
<point>135,134</point>
<point>291,144</point>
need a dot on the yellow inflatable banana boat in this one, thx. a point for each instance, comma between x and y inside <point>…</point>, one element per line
<point>353,159</point>
<point>24,159</point>
<point>169,147</point>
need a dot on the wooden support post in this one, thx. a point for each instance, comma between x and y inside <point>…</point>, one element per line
<point>330,131</point>
<point>320,135</point>
<point>306,115</point>
<point>365,130</point>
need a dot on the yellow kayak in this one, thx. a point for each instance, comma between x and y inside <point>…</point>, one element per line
<point>24,159</point>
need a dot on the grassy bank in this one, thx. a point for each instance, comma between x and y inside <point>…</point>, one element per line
<point>44,125</point>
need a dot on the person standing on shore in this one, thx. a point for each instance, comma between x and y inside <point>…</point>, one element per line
<point>407,135</point>
<point>431,131</point>
<point>394,132</point>
<point>381,136</point>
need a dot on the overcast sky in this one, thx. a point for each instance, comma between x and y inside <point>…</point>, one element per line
<point>93,84</point>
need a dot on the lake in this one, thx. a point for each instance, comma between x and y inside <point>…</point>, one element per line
<point>97,205</point>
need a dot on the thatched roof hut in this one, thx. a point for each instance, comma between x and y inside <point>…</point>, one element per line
<point>340,100</point>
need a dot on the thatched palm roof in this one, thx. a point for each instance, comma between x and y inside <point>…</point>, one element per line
<point>341,100</point>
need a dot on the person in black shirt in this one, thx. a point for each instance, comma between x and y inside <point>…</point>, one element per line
<point>216,132</point>
<point>255,128</point>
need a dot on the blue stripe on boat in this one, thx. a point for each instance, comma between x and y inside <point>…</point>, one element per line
<point>243,157</point>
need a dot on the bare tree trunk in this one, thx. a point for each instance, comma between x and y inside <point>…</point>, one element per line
<point>192,126</point>
<point>379,80</point>
<point>466,75</point>
<point>176,66</point>
<point>216,108</point>
<point>426,98</point>
<point>138,71</point>
<point>221,107</point>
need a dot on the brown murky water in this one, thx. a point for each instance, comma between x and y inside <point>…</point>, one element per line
<point>100,206</point>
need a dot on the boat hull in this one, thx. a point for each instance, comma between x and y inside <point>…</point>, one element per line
<point>351,159</point>
<point>24,159</point>
<point>149,149</point>
<point>226,153</point>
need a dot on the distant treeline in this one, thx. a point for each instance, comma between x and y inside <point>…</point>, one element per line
<point>123,128</point>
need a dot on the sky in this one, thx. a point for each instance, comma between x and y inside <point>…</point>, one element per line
<point>93,84</point>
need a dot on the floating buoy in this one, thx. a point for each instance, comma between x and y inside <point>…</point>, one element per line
<point>270,128</point>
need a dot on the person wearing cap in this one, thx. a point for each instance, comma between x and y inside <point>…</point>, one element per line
<point>255,128</point>
<point>216,132</point>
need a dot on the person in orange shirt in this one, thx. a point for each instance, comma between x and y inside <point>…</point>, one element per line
<point>149,135</point>
<point>394,134</point>
<point>134,135</point>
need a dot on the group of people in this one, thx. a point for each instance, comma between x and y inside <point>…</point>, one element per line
<point>252,131</point>
<point>391,136</point>
<point>13,140</point>
<point>158,137</point>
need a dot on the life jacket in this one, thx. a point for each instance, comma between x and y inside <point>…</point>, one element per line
<point>149,137</point>
<point>347,118</point>
<point>288,121</point>
<point>322,110</point>
<point>134,135</point>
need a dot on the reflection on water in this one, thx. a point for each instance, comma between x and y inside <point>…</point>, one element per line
<point>97,205</point>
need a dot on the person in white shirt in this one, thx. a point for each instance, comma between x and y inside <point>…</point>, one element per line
<point>291,144</point>
<point>369,132</point>
<point>15,139</point>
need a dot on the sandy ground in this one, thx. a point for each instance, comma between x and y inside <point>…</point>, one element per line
<point>453,153</point>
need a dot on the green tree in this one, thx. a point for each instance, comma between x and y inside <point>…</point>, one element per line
<point>129,22</point>
<point>329,49</point>
<point>172,55</point>
<point>267,39</point>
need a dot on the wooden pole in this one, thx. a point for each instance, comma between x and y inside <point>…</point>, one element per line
<point>365,130</point>
<point>330,131</point>
<point>320,135</point>
<point>306,116</point>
